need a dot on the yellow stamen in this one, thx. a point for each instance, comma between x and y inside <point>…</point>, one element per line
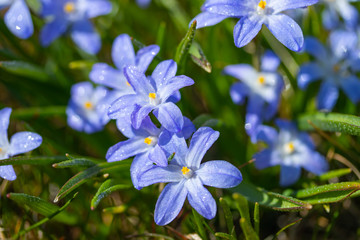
<point>1,150</point>
<point>290,148</point>
<point>69,7</point>
<point>261,80</point>
<point>147,141</point>
<point>262,4</point>
<point>185,170</point>
<point>152,95</point>
<point>128,84</point>
<point>88,105</point>
<point>336,68</point>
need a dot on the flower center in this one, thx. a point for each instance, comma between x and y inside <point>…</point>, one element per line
<point>88,105</point>
<point>185,170</point>
<point>152,95</point>
<point>148,140</point>
<point>128,84</point>
<point>261,80</point>
<point>262,4</point>
<point>336,68</point>
<point>289,148</point>
<point>187,173</point>
<point>1,150</point>
<point>69,7</point>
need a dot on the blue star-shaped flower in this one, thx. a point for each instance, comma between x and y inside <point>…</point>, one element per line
<point>152,93</point>
<point>335,66</point>
<point>253,14</point>
<point>87,109</point>
<point>291,150</point>
<point>73,15</point>
<point>186,177</point>
<point>18,18</point>
<point>263,90</point>
<point>20,142</point>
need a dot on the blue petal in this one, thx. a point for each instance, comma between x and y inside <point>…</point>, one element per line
<point>84,36</point>
<point>139,114</point>
<point>269,62</point>
<point>96,8</point>
<point>158,157</point>
<point>173,144</point>
<point>206,19</point>
<point>239,92</point>
<point>229,8</point>
<point>123,106</point>
<point>103,74</point>
<point>201,141</point>
<point>4,124</point>
<point>140,164</point>
<point>52,30</point>
<point>18,20</point>
<point>349,13</point>
<point>74,120</point>
<point>219,174</point>
<point>315,48</point>
<point>173,85</point>
<point>282,5</point>
<point>170,202</point>
<point>170,117</point>
<point>351,86</point>
<point>330,18</point>
<point>286,125</point>
<point>343,43</point>
<point>200,198</point>
<point>126,149</point>
<point>315,163</point>
<point>122,52</point>
<point>23,142</point>
<point>246,29</point>
<point>156,174</point>
<point>138,81</point>
<point>145,56</point>
<point>164,71</point>
<point>308,73</point>
<point>125,127</point>
<point>289,175</point>
<point>267,158</point>
<point>5,3</point>
<point>81,91</point>
<point>7,172</point>
<point>287,31</point>
<point>328,95</point>
<point>267,134</point>
<point>188,128</point>
<point>253,118</point>
<point>143,3</point>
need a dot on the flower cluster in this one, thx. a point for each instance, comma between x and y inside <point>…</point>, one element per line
<point>20,142</point>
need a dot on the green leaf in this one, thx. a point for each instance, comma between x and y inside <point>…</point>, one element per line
<point>37,112</point>
<point>269,199</point>
<point>198,222</point>
<point>185,44</point>
<point>36,160</point>
<point>328,193</point>
<point>105,189</point>
<point>42,207</point>
<point>257,218</point>
<point>243,206</point>
<point>25,69</point>
<point>334,174</point>
<point>228,217</point>
<point>199,58</point>
<point>83,176</point>
<point>78,162</point>
<point>248,230</point>
<point>333,122</point>
<point>223,235</point>
<point>284,228</point>
<point>55,214</point>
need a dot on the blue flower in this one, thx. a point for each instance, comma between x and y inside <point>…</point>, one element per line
<point>291,150</point>
<point>143,3</point>
<point>73,15</point>
<point>186,177</point>
<point>334,66</point>
<point>253,14</point>
<point>18,18</point>
<point>20,142</point>
<point>263,90</point>
<point>88,106</point>
<point>146,144</point>
<point>343,8</point>
<point>152,94</point>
